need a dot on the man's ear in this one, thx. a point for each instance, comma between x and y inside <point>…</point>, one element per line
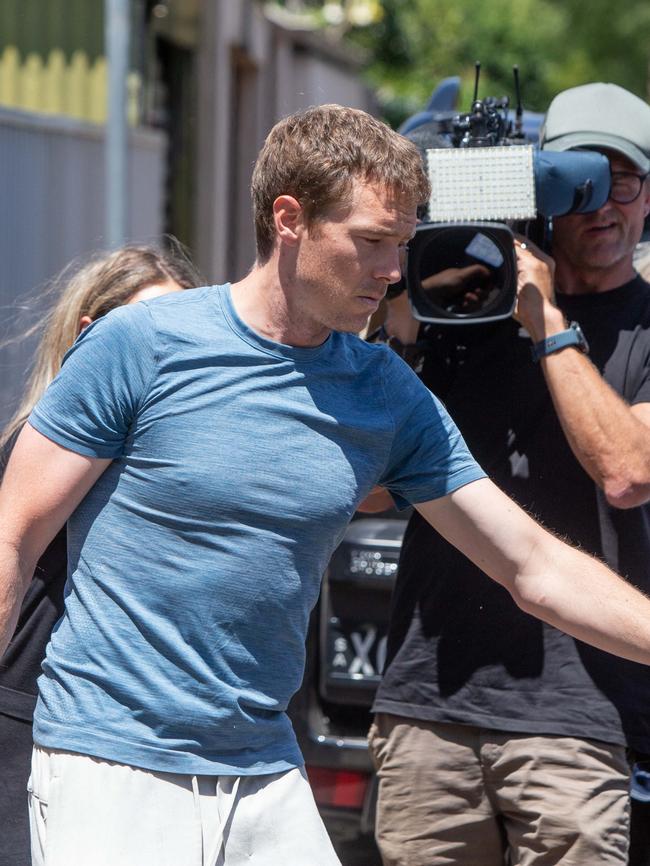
<point>646,203</point>
<point>289,219</point>
<point>645,192</point>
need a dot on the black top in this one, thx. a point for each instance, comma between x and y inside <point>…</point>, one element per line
<point>459,649</point>
<point>42,606</point>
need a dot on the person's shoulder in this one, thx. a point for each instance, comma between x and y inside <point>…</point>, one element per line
<point>179,303</point>
<point>124,324</point>
<point>117,325</point>
<point>381,361</point>
<point>185,315</point>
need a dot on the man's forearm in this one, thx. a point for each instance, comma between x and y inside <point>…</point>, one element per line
<point>546,577</point>
<point>583,597</point>
<point>612,445</point>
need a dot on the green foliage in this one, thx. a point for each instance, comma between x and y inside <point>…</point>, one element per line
<point>556,43</point>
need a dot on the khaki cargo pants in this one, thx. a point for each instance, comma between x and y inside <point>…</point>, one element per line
<point>467,796</point>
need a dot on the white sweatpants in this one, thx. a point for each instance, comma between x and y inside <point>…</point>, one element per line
<point>88,812</point>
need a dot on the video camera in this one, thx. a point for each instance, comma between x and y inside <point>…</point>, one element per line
<point>488,182</point>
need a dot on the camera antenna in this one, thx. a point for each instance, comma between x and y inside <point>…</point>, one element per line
<point>519,113</point>
<point>477,75</point>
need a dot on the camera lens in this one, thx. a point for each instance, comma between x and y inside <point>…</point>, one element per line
<point>462,272</point>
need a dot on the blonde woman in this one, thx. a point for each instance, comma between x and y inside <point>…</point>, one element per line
<point>132,273</point>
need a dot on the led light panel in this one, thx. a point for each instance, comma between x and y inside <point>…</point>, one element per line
<point>481,183</point>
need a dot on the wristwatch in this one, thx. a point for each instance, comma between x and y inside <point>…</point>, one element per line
<point>573,336</point>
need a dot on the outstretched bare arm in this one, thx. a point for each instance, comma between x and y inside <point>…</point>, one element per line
<point>546,577</point>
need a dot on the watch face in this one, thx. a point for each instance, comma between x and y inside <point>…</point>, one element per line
<point>582,340</point>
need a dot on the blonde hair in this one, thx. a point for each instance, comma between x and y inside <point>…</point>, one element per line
<point>104,282</point>
<point>314,156</point>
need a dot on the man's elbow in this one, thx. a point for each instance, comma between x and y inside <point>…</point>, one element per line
<point>627,492</point>
<point>531,597</point>
<point>532,590</point>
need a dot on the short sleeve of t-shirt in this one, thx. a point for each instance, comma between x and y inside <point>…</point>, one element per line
<point>429,457</point>
<point>91,403</point>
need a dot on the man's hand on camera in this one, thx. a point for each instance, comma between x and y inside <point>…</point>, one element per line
<point>535,308</point>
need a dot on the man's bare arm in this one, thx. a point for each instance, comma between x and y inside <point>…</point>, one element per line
<point>609,438</point>
<point>42,485</point>
<point>546,578</point>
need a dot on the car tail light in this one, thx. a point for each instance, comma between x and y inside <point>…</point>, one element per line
<point>342,788</point>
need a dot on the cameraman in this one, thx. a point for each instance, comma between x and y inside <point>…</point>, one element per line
<point>497,736</point>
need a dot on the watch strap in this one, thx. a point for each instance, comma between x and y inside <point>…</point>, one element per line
<point>572,336</point>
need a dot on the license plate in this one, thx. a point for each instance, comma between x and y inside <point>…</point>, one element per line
<point>356,652</point>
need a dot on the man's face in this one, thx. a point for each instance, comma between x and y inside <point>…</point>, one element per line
<point>349,257</point>
<point>605,239</point>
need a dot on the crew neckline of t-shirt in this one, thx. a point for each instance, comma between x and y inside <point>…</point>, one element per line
<point>257,341</point>
<point>598,300</point>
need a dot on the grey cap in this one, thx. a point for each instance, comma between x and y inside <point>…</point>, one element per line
<point>599,116</point>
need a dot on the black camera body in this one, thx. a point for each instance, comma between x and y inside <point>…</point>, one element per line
<point>488,184</point>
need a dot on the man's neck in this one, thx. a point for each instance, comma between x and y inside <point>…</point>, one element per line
<point>570,280</point>
<point>263,302</point>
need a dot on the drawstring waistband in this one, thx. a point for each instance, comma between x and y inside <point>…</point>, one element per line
<point>225,804</point>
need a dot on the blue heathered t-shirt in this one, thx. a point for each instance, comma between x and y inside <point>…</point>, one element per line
<point>196,558</point>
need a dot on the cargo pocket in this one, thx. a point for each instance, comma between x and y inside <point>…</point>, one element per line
<point>375,742</point>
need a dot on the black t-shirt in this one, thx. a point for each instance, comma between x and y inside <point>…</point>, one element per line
<point>459,649</point>
<point>42,606</point>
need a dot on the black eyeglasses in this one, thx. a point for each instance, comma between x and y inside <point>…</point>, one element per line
<point>626,186</point>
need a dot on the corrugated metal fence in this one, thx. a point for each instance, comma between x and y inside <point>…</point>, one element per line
<point>52,200</point>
